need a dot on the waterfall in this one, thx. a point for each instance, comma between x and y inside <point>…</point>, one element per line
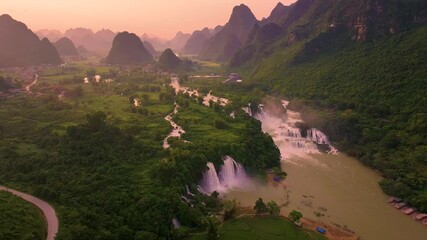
<point>317,136</point>
<point>185,199</point>
<point>188,191</point>
<point>293,133</point>
<point>210,180</point>
<point>176,223</point>
<point>231,175</point>
<point>288,137</point>
<point>231,172</point>
<point>200,189</point>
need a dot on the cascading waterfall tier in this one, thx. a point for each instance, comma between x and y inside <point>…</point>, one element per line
<point>232,174</point>
<point>285,133</point>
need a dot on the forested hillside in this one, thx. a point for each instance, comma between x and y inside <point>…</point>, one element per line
<point>368,96</point>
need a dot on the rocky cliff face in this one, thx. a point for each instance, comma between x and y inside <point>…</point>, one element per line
<point>344,21</point>
<point>19,46</point>
<point>371,19</point>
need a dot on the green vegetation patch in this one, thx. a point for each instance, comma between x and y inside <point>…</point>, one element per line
<point>262,228</point>
<point>20,219</point>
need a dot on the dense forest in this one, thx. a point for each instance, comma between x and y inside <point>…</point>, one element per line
<point>19,219</point>
<point>99,159</point>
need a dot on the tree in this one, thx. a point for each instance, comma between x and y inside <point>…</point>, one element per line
<point>212,230</point>
<point>295,216</point>
<point>146,97</point>
<point>273,209</point>
<point>200,99</point>
<point>260,207</point>
<point>96,121</point>
<point>220,124</point>
<point>230,209</point>
<point>91,73</point>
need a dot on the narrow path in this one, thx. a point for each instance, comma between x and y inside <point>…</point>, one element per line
<point>28,88</point>
<point>48,211</point>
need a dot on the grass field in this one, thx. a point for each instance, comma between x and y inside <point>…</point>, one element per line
<point>207,68</point>
<point>262,228</point>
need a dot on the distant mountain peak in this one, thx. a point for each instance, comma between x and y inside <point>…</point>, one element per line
<point>128,49</point>
<point>241,12</point>
<point>66,47</point>
<point>169,61</point>
<point>6,16</point>
<point>279,4</point>
<point>229,39</point>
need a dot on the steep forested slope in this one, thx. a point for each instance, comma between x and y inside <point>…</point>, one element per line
<point>373,101</point>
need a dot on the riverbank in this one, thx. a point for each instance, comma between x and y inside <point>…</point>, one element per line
<point>252,227</point>
<point>332,232</point>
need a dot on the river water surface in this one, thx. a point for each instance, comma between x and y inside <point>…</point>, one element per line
<point>331,188</point>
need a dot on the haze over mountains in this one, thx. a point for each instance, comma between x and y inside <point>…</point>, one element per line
<point>19,46</point>
<point>66,48</point>
<point>244,39</point>
<point>226,42</point>
<point>197,41</point>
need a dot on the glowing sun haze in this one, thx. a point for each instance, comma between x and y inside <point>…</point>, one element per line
<point>161,18</point>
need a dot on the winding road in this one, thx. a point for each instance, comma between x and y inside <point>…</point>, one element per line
<point>48,211</point>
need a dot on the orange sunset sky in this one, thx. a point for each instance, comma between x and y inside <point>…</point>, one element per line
<point>162,18</point>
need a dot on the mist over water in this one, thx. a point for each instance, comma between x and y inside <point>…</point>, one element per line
<point>232,175</point>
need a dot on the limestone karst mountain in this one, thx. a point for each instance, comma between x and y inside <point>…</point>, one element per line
<point>128,49</point>
<point>19,46</point>
<point>66,48</point>
<point>226,42</point>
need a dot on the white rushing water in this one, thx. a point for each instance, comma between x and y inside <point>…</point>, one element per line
<point>177,130</point>
<point>231,175</point>
<point>195,92</point>
<point>28,88</point>
<point>208,98</point>
<point>288,136</point>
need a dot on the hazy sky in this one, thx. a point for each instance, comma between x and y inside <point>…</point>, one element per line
<point>156,17</point>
